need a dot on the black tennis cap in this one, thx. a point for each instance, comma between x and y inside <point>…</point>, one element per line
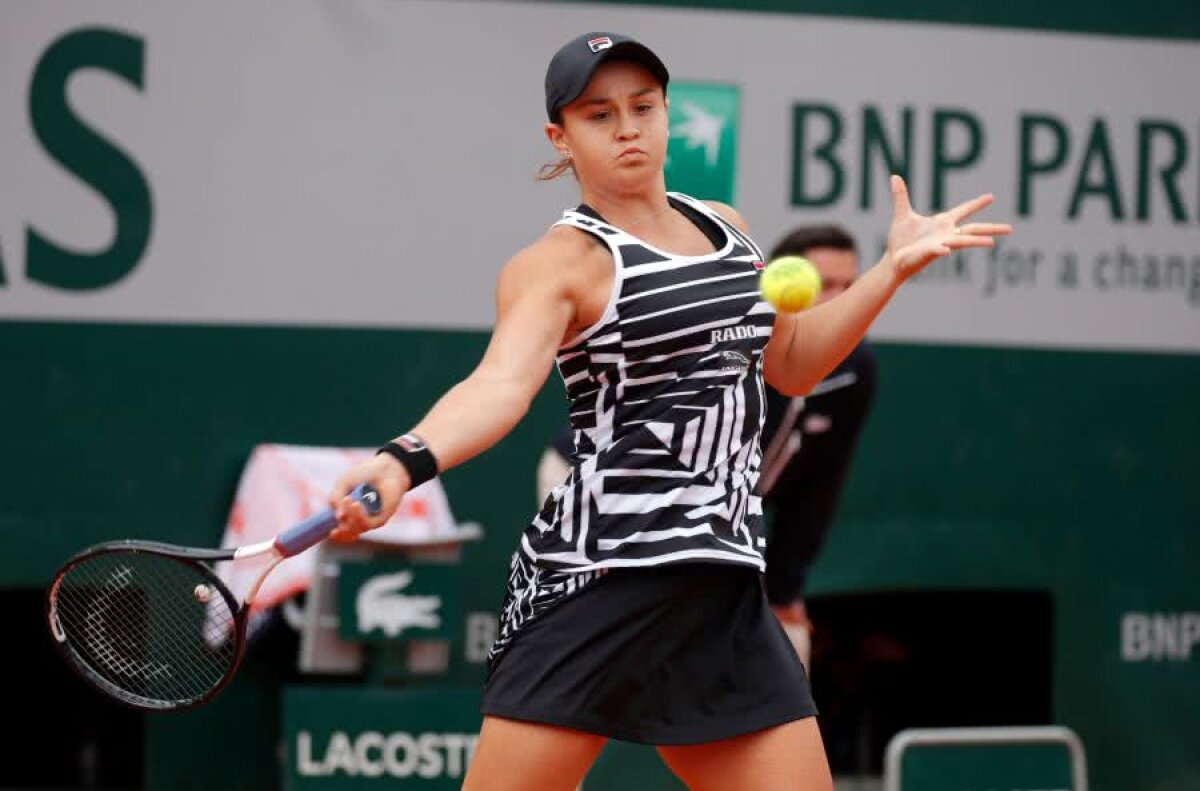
<point>573,65</point>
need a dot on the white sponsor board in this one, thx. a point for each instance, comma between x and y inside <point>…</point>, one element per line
<point>370,163</point>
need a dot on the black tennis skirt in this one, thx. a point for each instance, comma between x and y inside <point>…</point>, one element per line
<point>665,655</point>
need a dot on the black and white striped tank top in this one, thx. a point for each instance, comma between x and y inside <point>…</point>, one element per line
<point>667,404</point>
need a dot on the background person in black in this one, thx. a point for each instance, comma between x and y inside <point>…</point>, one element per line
<point>809,442</point>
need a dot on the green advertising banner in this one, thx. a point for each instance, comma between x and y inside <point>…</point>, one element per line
<point>702,152</point>
<point>399,601</point>
<point>353,738</point>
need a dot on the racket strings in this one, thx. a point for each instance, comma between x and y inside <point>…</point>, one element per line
<point>112,642</point>
<point>118,638</point>
<point>103,621</point>
<point>150,625</point>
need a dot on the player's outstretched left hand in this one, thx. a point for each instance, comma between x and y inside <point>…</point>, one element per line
<point>916,239</point>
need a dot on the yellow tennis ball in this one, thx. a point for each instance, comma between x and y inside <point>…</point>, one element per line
<point>791,283</point>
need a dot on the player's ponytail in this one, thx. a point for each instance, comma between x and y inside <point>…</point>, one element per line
<point>552,170</point>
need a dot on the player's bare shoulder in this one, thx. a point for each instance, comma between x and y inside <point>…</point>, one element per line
<point>564,263</point>
<point>587,268</point>
<point>728,212</point>
<point>561,256</point>
<point>584,256</point>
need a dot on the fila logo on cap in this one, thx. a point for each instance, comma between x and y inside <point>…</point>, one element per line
<point>597,44</point>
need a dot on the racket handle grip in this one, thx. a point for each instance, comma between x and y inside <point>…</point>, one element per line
<point>296,539</point>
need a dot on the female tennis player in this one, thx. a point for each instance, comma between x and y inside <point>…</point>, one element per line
<point>634,608</point>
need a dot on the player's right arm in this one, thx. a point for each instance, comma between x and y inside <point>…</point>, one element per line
<point>537,297</point>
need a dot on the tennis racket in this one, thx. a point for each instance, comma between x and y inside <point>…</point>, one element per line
<point>152,626</point>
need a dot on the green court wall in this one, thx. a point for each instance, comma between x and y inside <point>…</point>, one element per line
<point>981,469</point>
